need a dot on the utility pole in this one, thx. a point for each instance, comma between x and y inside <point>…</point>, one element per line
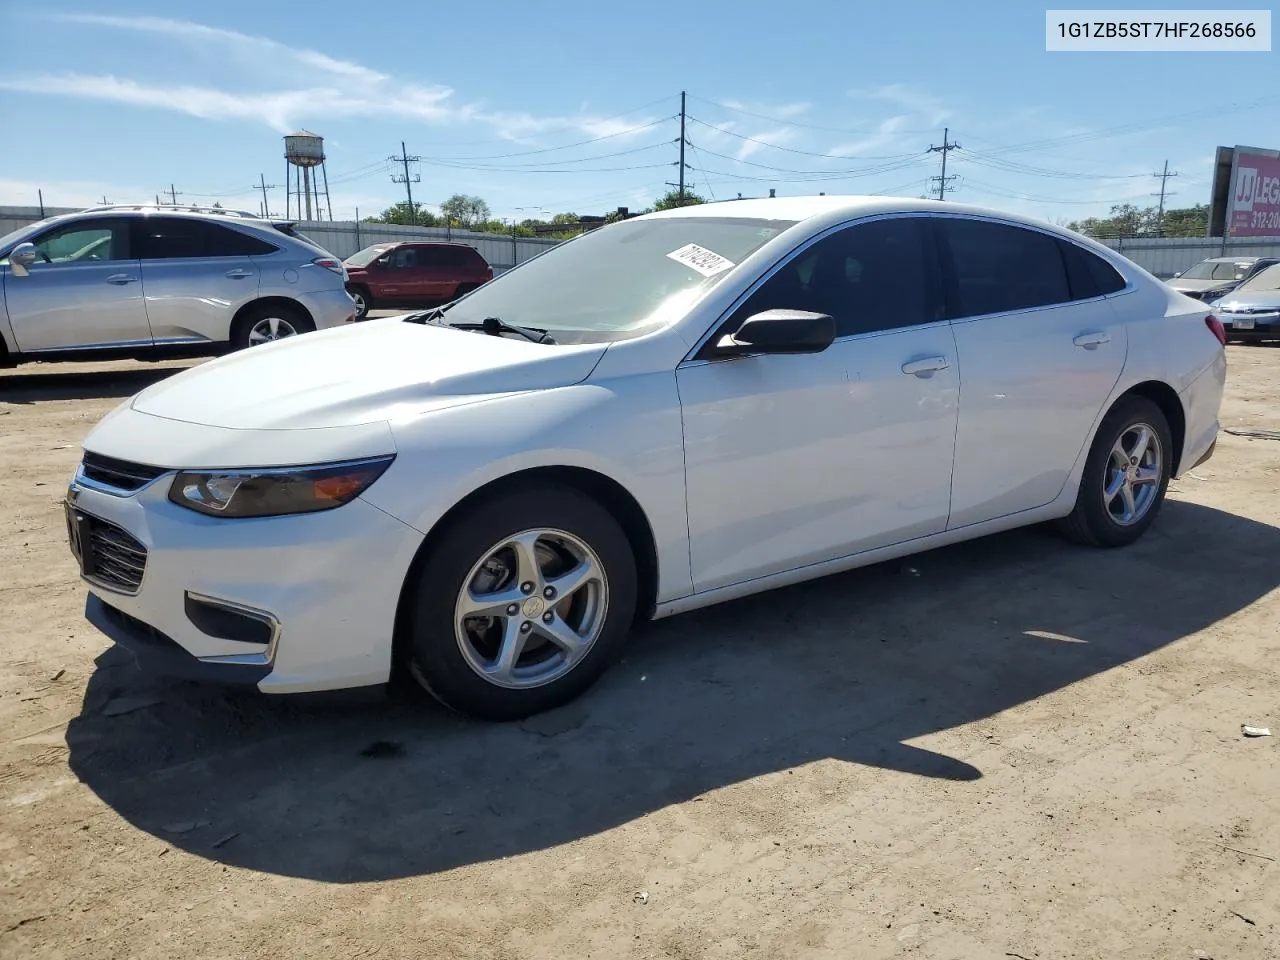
<point>264,186</point>
<point>682,140</point>
<point>947,147</point>
<point>173,194</point>
<point>1164,180</point>
<point>404,159</point>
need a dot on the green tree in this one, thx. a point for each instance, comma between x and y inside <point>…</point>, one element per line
<point>674,198</point>
<point>465,211</point>
<point>401,213</point>
<point>1127,220</point>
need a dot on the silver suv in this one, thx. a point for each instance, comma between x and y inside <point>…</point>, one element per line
<point>143,281</point>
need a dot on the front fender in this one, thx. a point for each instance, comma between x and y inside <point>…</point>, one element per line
<point>628,430</point>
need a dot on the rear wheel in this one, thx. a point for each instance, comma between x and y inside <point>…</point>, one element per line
<point>363,301</point>
<point>464,289</point>
<point>521,604</point>
<point>267,322</point>
<point>1125,476</point>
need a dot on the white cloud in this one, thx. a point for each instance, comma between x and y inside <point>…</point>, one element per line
<point>760,141</point>
<point>915,101</point>
<point>325,87</point>
<point>782,111</point>
<point>885,135</point>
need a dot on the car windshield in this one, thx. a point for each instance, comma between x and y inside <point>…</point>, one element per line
<point>1268,279</point>
<point>367,255</point>
<point>1201,271</point>
<point>619,281</point>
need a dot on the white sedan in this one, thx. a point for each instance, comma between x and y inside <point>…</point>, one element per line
<point>663,414</point>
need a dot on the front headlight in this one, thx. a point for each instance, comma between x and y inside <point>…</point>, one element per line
<point>275,491</point>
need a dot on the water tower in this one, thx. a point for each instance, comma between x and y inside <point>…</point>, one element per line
<point>304,154</point>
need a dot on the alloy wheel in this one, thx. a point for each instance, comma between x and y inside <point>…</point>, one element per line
<point>531,608</point>
<point>1131,480</point>
<point>271,328</point>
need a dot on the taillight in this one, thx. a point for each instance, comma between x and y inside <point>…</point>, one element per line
<point>331,264</point>
<point>1216,328</point>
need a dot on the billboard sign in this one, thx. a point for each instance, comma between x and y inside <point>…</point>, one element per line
<point>1254,201</point>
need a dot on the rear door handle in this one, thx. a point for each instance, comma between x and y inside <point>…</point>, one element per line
<point>926,367</point>
<point>238,274</point>
<point>121,278</point>
<point>1092,339</point>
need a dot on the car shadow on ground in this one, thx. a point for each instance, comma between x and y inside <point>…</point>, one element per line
<point>74,385</point>
<point>851,667</point>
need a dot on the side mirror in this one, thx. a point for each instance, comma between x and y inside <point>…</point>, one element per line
<point>780,331</point>
<point>21,257</point>
<point>1177,275</point>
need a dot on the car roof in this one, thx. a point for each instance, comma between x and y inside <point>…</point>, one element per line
<point>825,210</point>
<point>425,243</point>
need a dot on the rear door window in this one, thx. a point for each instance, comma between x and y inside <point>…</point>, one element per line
<point>170,238</point>
<point>997,268</point>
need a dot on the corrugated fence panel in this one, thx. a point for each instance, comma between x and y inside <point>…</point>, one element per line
<point>1163,257</point>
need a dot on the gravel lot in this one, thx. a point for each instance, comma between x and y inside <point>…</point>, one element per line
<point>1011,748</point>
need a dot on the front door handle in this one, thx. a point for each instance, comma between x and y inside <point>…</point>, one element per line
<point>926,367</point>
<point>119,279</point>
<point>1092,339</point>
<point>238,274</point>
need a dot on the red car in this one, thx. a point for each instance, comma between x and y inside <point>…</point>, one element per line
<point>413,274</point>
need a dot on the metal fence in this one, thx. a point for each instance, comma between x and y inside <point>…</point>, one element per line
<point>1166,256</point>
<point>343,238</point>
<point>1162,257</point>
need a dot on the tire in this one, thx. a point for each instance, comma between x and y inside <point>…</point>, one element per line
<point>363,299</point>
<point>464,289</point>
<point>449,655</point>
<point>1099,521</point>
<point>254,325</point>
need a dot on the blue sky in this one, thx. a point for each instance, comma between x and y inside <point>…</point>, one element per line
<point>564,105</point>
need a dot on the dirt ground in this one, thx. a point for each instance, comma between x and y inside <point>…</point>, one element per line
<point>1010,748</point>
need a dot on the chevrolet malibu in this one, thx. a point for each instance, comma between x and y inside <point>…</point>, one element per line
<point>666,413</point>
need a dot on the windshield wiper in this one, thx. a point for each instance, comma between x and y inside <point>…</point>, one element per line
<point>496,327</point>
<point>427,316</point>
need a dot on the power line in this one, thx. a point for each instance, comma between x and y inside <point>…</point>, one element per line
<point>567,146</point>
<point>947,147</point>
<point>791,123</point>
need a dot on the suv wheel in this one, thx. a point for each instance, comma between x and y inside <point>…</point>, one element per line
<point>262,324</point>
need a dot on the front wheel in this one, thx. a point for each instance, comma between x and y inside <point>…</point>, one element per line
<point>522,603</point>
<point>1125,476</point>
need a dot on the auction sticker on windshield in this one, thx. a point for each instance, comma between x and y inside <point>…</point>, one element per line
<point>704,261</point>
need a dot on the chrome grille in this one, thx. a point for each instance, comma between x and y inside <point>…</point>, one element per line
<point>121,474</point>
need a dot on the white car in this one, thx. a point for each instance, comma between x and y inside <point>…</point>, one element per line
<point>666,413</point>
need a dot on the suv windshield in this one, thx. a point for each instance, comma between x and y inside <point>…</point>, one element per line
<point>1268,279</point>
<point>1201,271</point>
<point>618,281</point>
<point>367,255</point>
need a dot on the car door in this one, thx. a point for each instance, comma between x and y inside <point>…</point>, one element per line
<point>83,291</point>
<point>196,274</point>
<point>1041,349</point>
<point>398,279</point>
<point>792,460</point>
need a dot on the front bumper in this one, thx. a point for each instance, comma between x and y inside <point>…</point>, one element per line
<point>1244,325</point>
<point>328,582</point>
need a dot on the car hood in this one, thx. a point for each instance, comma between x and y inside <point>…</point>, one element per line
<point>1196,286</point>
<point>377,371</point>
<point>1251,300</point>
